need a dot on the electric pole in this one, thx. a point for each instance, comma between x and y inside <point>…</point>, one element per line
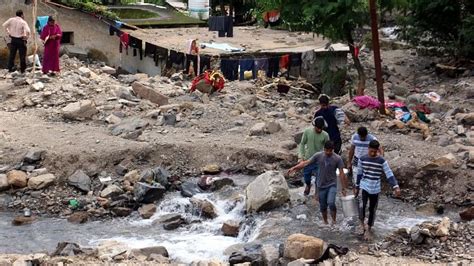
<point>377,60</point>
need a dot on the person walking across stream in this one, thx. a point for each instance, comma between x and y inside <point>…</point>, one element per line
<point>328,163</point>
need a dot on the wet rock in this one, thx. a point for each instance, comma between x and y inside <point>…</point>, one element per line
<point>146,211</point>
<point>21,220</point>
<point>41,181</point>
<point>148,93</point>
<point>271,254</point>
<point>231,228</point>
<point>158,250</point>
<point>211,169</point>
<point>220,182</point>
<point>146,193</point>
<point>67,249</point>
<point>467,214</point>
<point>267,191</point>
<point>111,191</point>
<point>189,189</point>
<point>172,225</point>
<point>121,211</point>
<point>250,255</point>
<point>78,217</point>
<point>33,156</point>
<point>288,145</point>
<point>80,110</point>
<point>157,175</point>
<point>4,182</point>
<point>169,218</point>
<point>17,179</point>
<point>443,227</point>
<point>80,180</point>
<point>205,208</point>
<point>303,246</point>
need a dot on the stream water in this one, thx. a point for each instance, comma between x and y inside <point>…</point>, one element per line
<point>201,238</point>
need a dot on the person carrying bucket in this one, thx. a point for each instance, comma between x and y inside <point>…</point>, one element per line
<point>369,173</point>
<point>328,162</point>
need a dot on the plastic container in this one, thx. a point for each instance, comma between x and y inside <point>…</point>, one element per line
<point>349,206</point>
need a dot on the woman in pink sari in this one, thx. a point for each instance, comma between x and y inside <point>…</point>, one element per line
<point>51,35</point>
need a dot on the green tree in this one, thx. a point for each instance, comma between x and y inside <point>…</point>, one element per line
<point>334,19</point>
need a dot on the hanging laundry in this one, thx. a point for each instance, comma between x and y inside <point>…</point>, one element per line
<point>40,23</point>
<point>307,59</point>
<point>230,68</point>
<point>247,65</point>
<point>205,63</point>
<point>295,62</point>
<point>194,60</point>
<point>118,24</point>
<point>223,24</point>
<point>150,49</point>
<point>261,64</point>
<point>136,44</point>
<point>124,40</point>
<point>273,67</point>
<point>284,61</point>
<point>161,54</point>
<point>271,18</point>
<point>176,60</point>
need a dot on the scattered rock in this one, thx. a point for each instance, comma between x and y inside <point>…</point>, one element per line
<point>258,129</point>
<point>107,250</point>
<point>220,182</point>
<point>443,227</point>
<point>211,169</point>
<point>132,176</point>
<point>67,249</point>
<point>17,179</point>
<point>467,214</point>
<point>189,189</point>
<point>303,246</point>
<point>355,114</point>
<point>248,101</point>
<point>38,86</point>
<point>271,254</point>
<point>168,218</point>
<point>146,211</point>
<point>85,72</point>
<point>288,145</point>
<point>444,161</point>
<point>146,193</point>
<point>121,211</point>
<point>41,181</point>
<point>416,236</point>
<point>80,180</point>
<point>149,93</point>
<point>78,217</point>
<point>33,156</point>
<point>4,182</point>
<point>128,127</point>
<point>468,119</point>
<point>156,175</point>
<point>80,110</point>
<point>267,191</point>
<point>172,225</point>
<point>111,191</point>
<point>205,208</point>
<point>21,220</point>
<point>158,250</point>
<point>108,70</point>
<point>272,127</point>
<point>231,228</point>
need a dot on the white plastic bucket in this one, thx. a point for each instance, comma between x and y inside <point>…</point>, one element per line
<point>199,9</point>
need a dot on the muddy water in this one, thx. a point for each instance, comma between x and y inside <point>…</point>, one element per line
<point>201,238</point>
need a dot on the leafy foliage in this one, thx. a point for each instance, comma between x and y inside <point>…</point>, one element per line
<point>91,6</point>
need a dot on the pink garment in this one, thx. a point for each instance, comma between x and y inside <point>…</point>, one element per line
<point>366,102</point>
<point>394,105</point>
<point>51,47</point>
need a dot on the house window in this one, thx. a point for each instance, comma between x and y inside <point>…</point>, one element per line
<point>67,38</point>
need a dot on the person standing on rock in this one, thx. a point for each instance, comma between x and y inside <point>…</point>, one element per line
<point>19,32</point>
<point>369,173</point>
<point>334,116</point>
<point>328,162</point>
<point>312,141</point>
<point>51,35</point>
<point>359,147</point>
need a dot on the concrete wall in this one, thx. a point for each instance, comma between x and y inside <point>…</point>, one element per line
<point>89,34</point>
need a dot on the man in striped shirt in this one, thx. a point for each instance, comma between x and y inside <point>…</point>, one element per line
<point>369,174</point>
<point>359,147</point>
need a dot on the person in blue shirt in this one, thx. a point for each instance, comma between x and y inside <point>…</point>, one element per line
<point>369,174</point>
<point>333,116</point>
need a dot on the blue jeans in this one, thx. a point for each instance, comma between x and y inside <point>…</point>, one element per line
<point>308,171</point>
<point>327,197</point>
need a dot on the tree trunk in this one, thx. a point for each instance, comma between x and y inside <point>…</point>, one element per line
<point>357,64</point>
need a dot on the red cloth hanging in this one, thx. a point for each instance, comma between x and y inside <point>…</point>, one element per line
<point>284,61</point>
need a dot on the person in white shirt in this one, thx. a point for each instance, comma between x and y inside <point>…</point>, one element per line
<point>19,32</point>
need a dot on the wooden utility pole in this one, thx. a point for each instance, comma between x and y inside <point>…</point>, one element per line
<point>376,48</point>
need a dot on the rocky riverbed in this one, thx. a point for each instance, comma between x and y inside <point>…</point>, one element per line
<point>94,145</point>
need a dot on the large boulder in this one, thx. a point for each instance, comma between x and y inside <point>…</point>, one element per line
<point>146,211</point>
<point>269,190</point>
<point>41,181</point>
<point>80,110</point>
<point>80,181</point>
<point>146,193</point>
<point>17,178</point>
<point>355,114</point>
<point>302,246</point>
<point>148,93</point>
<point>4,182</point>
